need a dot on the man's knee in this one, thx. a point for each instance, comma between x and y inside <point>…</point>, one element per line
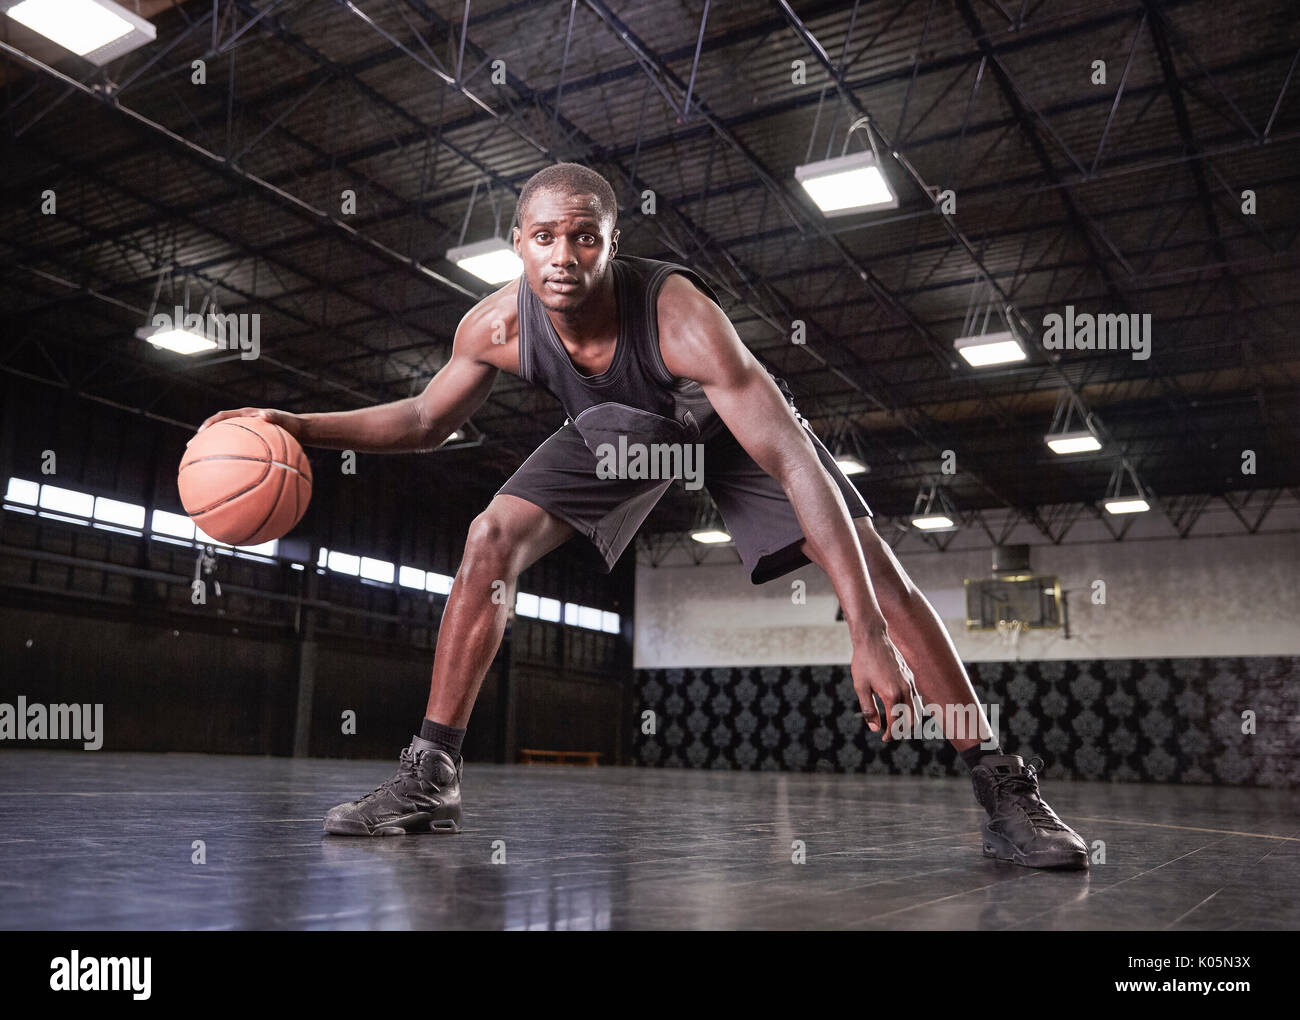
<point>490,540</point>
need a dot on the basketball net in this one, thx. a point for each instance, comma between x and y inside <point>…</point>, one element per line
<point>1009,631</point>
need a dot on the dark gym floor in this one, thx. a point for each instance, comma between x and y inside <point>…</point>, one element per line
<point>105,841</point>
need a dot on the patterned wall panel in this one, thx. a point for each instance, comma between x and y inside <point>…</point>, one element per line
<point>1125,720</point>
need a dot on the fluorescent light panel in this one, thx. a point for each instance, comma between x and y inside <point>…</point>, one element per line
<point>22,491</point>
<point>179,340</point>
<point>990,349</point>
<point>344,563</point>
<point>1127,505</point>
<point>98,30</point>
<point>710,537</point>
<point>1073,442</point>
<point>851,465</point>
<point>934,522</point>
<point>116,512</point>
<point>376,570</point>
<point>68,501</point>
<point>846,185</point>
<point>176,525</point>
<point>492,261</point>
<point>411,577</point>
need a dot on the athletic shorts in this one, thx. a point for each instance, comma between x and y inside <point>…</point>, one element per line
<point>560,477</point>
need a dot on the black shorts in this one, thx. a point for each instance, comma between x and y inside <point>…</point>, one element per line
<point>560,477</point>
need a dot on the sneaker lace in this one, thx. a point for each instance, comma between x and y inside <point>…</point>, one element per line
<point>1024,787</point>
<point>406,770</point>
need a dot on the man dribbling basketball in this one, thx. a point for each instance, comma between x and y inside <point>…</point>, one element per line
<point>641,349</point>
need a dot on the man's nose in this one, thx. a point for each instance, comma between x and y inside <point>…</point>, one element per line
<point>561,253</point>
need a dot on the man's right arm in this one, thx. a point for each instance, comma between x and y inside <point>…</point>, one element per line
<point>410,425</point>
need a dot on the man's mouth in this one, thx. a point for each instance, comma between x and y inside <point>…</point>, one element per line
<point>561,284</point>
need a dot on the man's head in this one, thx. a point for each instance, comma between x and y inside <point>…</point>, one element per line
<point>566,234</point>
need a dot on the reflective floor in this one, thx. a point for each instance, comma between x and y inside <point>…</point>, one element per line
<point>107,841</point>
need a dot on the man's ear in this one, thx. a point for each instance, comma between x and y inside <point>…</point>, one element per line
<point>515,236</point>
<point>613,243</point>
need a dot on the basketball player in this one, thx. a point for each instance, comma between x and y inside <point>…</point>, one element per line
<point>641,349</point>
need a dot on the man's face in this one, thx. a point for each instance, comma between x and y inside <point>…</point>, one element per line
<point>565,248</point>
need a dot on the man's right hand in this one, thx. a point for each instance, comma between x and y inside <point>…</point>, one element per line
<point>285,419</point>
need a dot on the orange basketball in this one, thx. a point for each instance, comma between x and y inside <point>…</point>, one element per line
<point>245,481</point>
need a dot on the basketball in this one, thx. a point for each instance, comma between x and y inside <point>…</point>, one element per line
<point>245,481</point>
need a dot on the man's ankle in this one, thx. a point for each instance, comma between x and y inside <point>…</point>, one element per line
<point>972,755</point>
<point>443,738</point>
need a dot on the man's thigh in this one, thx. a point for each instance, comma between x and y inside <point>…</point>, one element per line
<point>560,477</point>
<point>758,514</point>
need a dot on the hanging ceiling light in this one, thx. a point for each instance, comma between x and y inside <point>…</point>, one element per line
<point>986,349</point>
<point>1063,440</point>
<point>1116,501</point>
<point>492,261</point>
<point>846,185</point>
<point>933,511</point>
<point>850,182</point>
<point>98,30</point>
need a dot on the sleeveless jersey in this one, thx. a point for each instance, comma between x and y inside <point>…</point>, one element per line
<point>636,396</point>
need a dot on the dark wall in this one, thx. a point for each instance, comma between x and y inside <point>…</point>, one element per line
<point>1125,720</point>
<point>162,688</point>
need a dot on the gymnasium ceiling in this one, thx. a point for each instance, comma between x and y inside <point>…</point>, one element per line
<point>1117,198</point>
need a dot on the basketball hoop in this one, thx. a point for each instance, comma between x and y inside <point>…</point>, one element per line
<point>1009,631</point>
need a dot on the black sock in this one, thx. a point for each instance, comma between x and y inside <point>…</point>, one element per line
<point>444,738</point>
<point>972,755</point>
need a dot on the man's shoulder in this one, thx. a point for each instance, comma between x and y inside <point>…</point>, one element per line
<point>501,304</point>
<point>492,324</point>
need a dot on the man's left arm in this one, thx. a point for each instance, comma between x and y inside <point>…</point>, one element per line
<point>698,342</point>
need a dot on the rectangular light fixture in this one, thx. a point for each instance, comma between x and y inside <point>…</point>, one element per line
<point>710,536</point>
<point>990,349</point>
<point>492,261</point>
<point>847,185</point>
<point>67,500</point>
<point>179,340</point>
<point>116,512</point>
<point>934,522</point>
<point>344,563</point>
<point>1127,505</point>
<point>851,465</point>
<point>98,30</point>
<point>376,570</point>
<point>410,577</point>
<point>22,491</point>
<point>1081,441</point>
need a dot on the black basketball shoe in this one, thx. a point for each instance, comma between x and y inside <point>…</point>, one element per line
<point>424,796</point>
<point>1021,826</point>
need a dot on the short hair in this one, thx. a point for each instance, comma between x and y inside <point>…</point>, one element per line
<point>573,178</point>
